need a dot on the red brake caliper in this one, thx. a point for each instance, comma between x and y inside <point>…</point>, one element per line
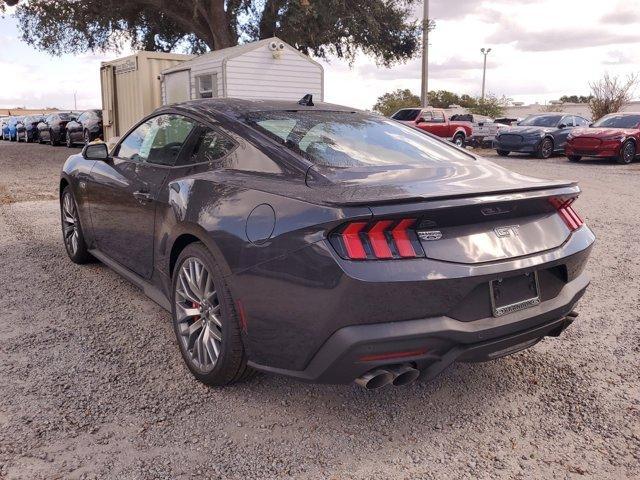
<point>195,305</point>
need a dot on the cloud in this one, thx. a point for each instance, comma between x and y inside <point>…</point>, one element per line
<point>556,39</point>
<point>450,68</point>
<point>622,15</point>
<point>618,57</point>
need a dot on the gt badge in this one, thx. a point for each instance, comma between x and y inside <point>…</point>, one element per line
<point>508,231</point>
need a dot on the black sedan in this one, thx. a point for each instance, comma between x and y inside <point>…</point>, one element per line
<point>27,129</point>
<point>53,128</point>
<point>86,128</point>
<point>324,243</point>
<point>541,135</point>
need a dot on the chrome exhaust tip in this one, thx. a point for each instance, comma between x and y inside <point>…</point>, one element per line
<point>403,374</point>
<point>374,379</point>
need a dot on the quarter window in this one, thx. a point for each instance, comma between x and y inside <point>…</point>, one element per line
<point>212,146</point>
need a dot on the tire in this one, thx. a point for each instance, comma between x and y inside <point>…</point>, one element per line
<point>219,326</point>
<point>574,158</point>
<point>70,222</point>
<point>627,153</point>
<point>545,149</point>
<point>458,139</point>
<point>52,139</point>
<point>68,140</point>
<point>87,137</point>
<point>503,153</point>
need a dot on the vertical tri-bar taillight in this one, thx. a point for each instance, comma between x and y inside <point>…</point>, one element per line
<point>377,240</point>
<point>567,213</point>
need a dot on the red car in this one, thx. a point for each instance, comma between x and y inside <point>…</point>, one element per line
<point>613,136</point>
<point>434,121</point>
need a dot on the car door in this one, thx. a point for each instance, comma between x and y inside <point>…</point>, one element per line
<point>560,137</point>
<point>123,190</point>
<point>437,124</point>
<point>75,128</point>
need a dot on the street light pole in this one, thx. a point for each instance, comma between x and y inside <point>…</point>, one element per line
<point>484,52</point>
<point>424,97</point>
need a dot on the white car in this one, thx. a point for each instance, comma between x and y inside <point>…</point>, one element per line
<point>484,129</point>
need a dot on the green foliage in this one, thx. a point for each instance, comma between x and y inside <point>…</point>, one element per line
<point>576,98</point>
<point>382,29</point>
<point>491,106</point>
<point>390,103</point>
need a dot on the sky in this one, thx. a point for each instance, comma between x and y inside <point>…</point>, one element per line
<point>541,50</point>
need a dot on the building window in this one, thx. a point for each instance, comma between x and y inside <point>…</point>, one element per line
<point>207,86</point>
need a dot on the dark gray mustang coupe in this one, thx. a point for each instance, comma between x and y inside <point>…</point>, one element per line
<point>324,243</point>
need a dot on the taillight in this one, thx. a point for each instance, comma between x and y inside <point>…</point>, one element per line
<point>567,213</point>
<point>377,240</point>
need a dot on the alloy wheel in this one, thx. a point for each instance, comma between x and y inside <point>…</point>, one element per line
<point>629,152</point>
<point>70,224</point>
<point>86,137</point>
<point>68,140</point>
<point>547,148</point>
<point>198,314</point>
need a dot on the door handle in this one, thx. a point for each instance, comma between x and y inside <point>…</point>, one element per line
<point>142,197</point>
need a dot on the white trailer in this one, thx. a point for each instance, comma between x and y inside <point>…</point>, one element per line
<point>267,69</point>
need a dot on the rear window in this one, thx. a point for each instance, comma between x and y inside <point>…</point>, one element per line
<point>618,121</point>
<point>350,139</point>
<point>406,115</point>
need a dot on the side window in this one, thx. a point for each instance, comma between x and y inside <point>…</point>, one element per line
<point>82,118</point>
<point>568,121</point>
<point>211,146</point>
<point>132,144</point>
<point>581,122</point>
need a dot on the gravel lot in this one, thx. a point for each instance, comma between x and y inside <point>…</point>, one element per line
<point>92,384</point>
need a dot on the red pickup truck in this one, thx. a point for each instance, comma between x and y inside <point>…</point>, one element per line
<point>436,122</point>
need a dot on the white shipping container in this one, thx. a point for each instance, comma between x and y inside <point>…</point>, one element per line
<point>267,69</point>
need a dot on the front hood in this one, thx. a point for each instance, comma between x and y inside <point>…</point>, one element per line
<point>456,178</point>
<point>527,131</point>
<point>602,133</point>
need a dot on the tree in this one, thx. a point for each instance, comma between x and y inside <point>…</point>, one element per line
<point>575,98</point>
<point>383,29</point>
<point>610,94</point>
<point>390,103</point>
<point>490,106</point>
<point>442,99</point>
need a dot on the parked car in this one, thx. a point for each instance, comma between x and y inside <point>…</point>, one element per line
<point>10,130</point>
<point>53,128</point>
<point>613,136</point>
<point>315,241</point>
<point>435,122</point>
<point>27,129</point>
<point>484,129</point>
<point>4,128</point>
<point>541,135</point>
<point>86,128</point>
<point>510,121</point>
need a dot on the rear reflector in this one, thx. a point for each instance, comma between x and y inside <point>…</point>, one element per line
<point>377,240</point>
<point>567,213</point>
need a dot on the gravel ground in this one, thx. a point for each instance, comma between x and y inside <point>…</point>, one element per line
<point>93,386</point>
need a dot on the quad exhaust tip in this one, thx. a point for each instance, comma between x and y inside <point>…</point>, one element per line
<point>396,375</point>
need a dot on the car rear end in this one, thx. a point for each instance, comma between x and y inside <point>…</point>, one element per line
<point>413,267</point>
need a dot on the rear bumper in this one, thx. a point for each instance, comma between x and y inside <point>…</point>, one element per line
<point>433,344</point>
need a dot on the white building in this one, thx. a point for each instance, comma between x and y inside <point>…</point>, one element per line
<point>267,69</point>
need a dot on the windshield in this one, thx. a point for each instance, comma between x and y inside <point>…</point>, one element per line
<point>541,121</point>
<point>349,139</point>
<point>406,115</point>
<point>64,116</point>
<point>618,121</point>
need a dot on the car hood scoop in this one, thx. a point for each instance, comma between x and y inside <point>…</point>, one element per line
<point>392,183</point>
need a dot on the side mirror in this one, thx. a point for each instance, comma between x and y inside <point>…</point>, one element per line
<point>420,120</point>
<point>591,125</point>
<point>96,151</point>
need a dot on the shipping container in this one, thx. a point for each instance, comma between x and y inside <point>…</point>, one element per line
<point>131,88</point>
<point>267,69</point>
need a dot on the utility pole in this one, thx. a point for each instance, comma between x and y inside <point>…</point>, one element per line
<point>425,55</point>
<point>75,100</point>
<point>484,70</point>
